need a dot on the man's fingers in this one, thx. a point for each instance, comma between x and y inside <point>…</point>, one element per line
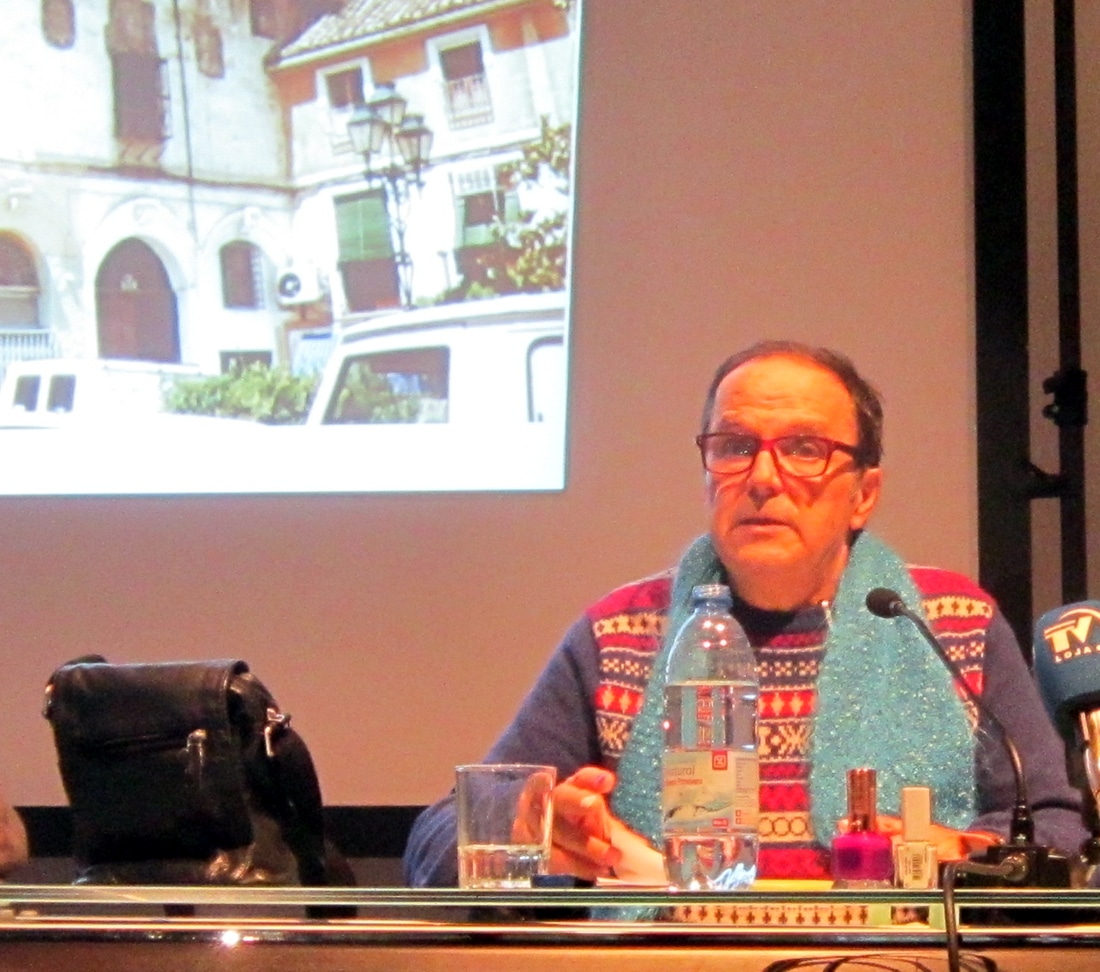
<point>594,778</point>
<point>581,808</point>
<point>595,816</point>
<point>891,826</point>
<point>951,845</point>
<point>564,862</point>
<point>588,833</point>
<point>588,858</point>
<point>582,824</point>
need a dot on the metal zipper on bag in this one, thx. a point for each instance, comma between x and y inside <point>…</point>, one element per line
<point>196,754</point>
<point>151,742</point>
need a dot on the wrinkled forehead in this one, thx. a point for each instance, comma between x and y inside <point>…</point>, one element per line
<point>788,389</point>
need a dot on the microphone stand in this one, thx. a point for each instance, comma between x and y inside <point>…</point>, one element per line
<point>1019,862</point>
<point>1088,740</point>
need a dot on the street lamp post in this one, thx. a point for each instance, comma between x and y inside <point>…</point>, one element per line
<point>395,145</point>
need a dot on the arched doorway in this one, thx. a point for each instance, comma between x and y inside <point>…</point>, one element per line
<point>136,306</point>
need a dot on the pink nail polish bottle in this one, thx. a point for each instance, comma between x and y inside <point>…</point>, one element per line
<point>863,857</point>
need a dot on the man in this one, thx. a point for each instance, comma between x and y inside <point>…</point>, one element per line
<point>791,445</point>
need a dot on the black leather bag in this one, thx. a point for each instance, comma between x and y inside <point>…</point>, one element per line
<point>185,773</point>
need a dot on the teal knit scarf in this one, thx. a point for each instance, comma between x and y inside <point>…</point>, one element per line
<point>883,700</point>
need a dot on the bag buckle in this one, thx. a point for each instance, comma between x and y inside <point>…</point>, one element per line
<point>276,722</point>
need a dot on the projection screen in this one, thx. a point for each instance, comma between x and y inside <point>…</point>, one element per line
<point>287,247</point>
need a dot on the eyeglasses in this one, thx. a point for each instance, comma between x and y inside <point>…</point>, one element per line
<point>802,456</point>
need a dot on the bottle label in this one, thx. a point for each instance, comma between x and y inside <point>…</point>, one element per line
<point>915,865</point>
<point>710,789</point>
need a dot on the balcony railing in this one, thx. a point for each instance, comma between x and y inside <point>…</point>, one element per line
<point>25,344</point>
<point>468,102</point>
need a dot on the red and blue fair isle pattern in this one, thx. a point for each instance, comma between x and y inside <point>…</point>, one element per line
<point>628,626</point>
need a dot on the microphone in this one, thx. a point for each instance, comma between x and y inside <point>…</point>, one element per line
<point>1066,650</point>
<point>1044,866</point>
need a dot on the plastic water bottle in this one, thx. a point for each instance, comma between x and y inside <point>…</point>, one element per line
<point>710,797</point>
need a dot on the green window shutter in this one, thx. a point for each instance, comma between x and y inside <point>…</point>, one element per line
<point>460,220</point>
<point>478,212</point>
<point>511,206</point>
<point>478,235</point>
<point>363,227</point>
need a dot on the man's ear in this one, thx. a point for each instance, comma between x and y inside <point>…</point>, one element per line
<point>867,491</point>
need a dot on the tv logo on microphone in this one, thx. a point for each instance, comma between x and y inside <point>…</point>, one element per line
<point>1075,633</point>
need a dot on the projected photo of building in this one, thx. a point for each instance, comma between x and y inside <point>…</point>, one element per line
<point>219,196</point>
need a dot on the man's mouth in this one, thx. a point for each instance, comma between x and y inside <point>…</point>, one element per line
<point>761,521</point>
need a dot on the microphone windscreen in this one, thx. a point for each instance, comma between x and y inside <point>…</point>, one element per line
<point>885,603</point>
<point>1066,652</point>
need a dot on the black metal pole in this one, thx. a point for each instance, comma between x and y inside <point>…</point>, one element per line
<point>1069,409</point>
<point>1001,336</point>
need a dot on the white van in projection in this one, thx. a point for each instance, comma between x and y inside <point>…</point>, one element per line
<point>99,426</point>
<point>466,396</point>
<point>60,392</point>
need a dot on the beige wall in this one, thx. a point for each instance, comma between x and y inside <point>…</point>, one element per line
<point>748,170</point>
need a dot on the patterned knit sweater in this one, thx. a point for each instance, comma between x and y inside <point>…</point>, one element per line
<point>628,626</point>
<point>580,711</point>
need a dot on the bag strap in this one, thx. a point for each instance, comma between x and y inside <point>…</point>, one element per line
<point>303,819</point>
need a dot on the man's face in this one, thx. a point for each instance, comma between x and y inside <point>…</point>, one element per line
<point>784,540</point>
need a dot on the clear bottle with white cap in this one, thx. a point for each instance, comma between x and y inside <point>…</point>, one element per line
<point>915,859</point>
<point>710,796</point>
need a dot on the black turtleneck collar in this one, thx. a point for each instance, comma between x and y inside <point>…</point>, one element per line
<point>762,625</point>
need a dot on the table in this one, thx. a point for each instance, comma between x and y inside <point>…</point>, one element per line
<point>115,929</point>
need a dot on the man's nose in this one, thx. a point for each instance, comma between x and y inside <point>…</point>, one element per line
<point>763,474</point>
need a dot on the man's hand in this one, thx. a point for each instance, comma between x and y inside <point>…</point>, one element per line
<point>583,824</point>
<point>951,845</point>
<point>13,838</point>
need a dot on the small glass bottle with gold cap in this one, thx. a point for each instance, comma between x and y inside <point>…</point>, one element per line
<point>863,856</point>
